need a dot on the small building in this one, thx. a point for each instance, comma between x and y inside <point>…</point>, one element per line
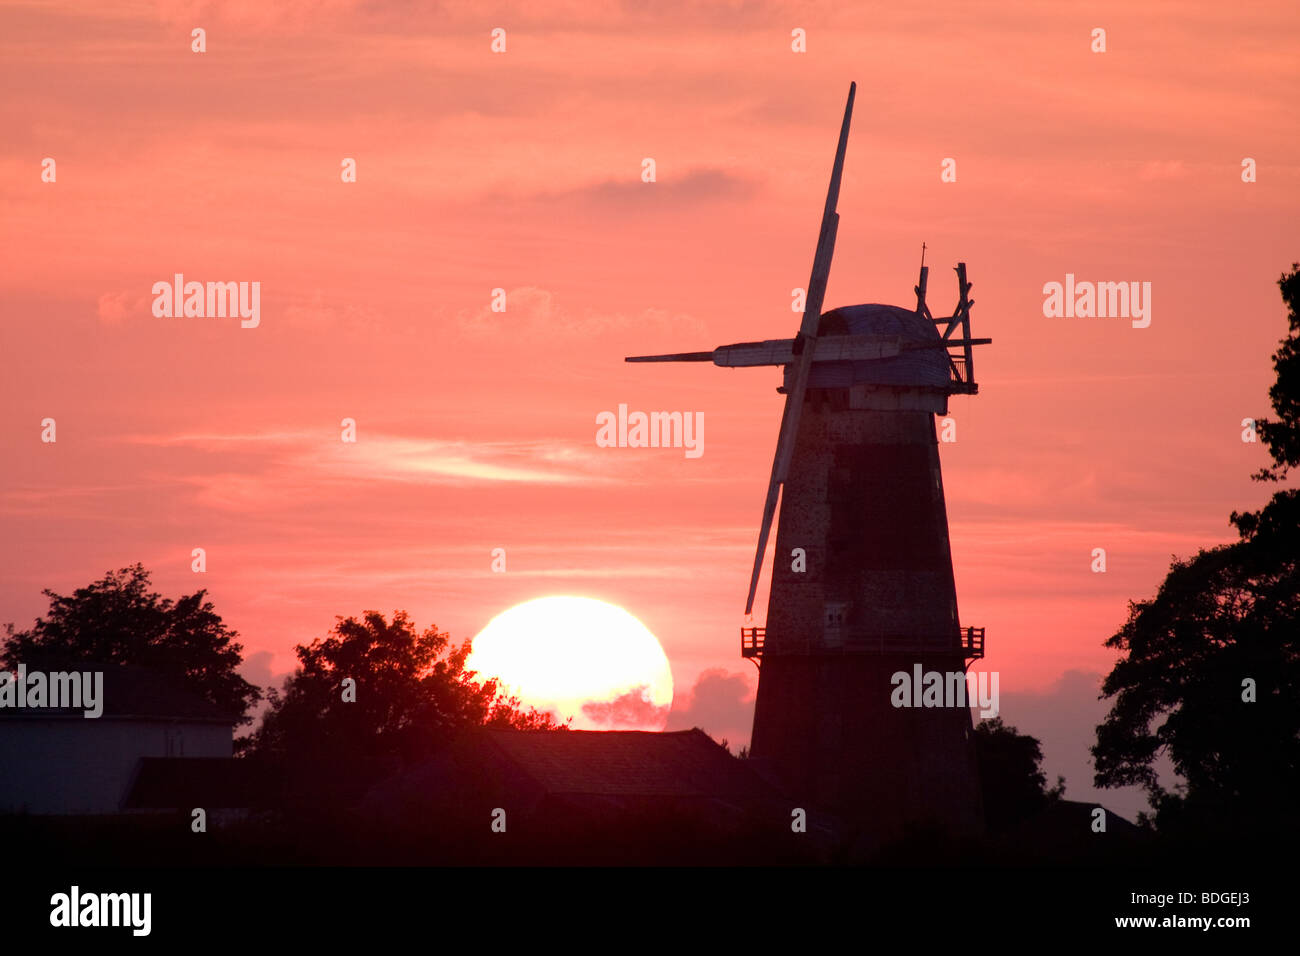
<point>576,797</point>
<point>58,761</point>
<point>589,771</point>
<point>226,788</point>
<point>1067,831</point>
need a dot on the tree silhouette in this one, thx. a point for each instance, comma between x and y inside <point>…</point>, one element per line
<point>411,695</point>
<point>1012,782</point>
<point>118,620</point>
<point>1282,434</point>
<point>1210,672</point>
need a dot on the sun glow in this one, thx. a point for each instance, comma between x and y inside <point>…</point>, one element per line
<point>580,658</point>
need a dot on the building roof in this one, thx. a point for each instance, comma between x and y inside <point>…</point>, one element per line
<point>132,693</point>
<point>581,770</point>
<point>625,763</point>
<point>1063,831</point>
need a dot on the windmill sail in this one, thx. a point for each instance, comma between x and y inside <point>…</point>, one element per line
<point>808,337</point>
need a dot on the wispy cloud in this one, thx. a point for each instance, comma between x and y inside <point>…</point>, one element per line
<point>383,457</point>
<point>532,313</point>
<point>688,187</point>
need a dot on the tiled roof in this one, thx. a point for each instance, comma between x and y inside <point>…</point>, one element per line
<point>626,763</point>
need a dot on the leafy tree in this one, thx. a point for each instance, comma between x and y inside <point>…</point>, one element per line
<point>1223,627</point>
<point>1282,434</point>
<point>412,693</point>
<point>1012,782</point>
<point>118,620</point>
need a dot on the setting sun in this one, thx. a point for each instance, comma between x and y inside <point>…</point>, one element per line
<point>580,658</point>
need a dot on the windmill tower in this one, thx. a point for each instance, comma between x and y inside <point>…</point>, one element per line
<point>862,582</point>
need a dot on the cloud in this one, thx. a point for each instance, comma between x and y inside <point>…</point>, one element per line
<point>672,191</point>
<point>721,704</point>
<point>256,669</point>
<point>532,313</point>
<point>294,461</point>
<point>114,308</point>
<point>1163,169</point>
<point>286,15</point>
<point>692,187</point>
<point>315,312</point>
<point>631,711</point>
<point>409,459</point>
<point>468,16</point>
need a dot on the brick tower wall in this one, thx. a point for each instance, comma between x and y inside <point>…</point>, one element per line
<point>864,499</point>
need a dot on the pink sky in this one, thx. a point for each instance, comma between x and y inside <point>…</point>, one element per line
<point>522,171</point>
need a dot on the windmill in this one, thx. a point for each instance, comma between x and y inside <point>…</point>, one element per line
<point>862,583</point>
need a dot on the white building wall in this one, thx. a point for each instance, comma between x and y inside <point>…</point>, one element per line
<point>76,765</point>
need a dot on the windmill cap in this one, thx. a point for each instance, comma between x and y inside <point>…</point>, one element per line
<point>924,368</point>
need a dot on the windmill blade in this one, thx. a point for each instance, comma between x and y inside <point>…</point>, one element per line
<point>769,509</point>
<point>778,352</point>
<point>808,338</point>
<point>830,223</point>
<point>794,395</point>
<point>673,357</point>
